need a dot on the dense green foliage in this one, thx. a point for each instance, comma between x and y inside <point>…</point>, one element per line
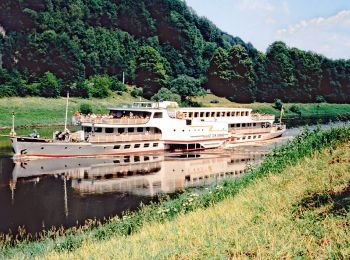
<point>153,43</point>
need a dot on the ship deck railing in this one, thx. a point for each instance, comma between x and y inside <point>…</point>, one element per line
<point>114,121</point>
<point>259,117</point>
<point>123,138</point>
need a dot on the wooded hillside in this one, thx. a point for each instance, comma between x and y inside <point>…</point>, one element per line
<point>49,47</point>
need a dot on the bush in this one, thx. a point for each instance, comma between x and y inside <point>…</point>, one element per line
<point>295,109</point>
<point>99,86</point>
<point>49,86</point>
<point>85,108</point>
<point>136,92</point>
<point>320,99</point>
<point>278,104</point>
<point>166,94</point>
<point>118,86</point>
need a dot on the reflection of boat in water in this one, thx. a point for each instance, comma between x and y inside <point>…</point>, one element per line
<point>64,191</point>
<point>145,175</point>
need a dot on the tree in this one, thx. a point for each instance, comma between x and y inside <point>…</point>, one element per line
<point>166,94</point>
<point>150,72</point>
<point>99,86</point>
<point>186,87</point>
<point>219,73</point>
<point>242,75</point>
<point>49,86</point>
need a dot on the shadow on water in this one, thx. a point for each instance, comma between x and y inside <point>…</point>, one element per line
<point>39,194</point>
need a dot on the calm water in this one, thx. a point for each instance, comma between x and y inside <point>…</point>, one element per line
<point>65,192</point>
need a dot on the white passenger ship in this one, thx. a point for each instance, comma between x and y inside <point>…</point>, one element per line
<point>152,127</point>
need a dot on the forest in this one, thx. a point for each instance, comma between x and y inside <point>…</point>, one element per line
<point>49,47</point>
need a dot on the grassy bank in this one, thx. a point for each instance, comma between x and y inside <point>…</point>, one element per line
<point>306,110</point>
<point>34,111</point>
<point>301,212</point>
<point>95,236</point>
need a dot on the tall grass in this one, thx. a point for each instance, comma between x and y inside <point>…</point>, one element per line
<point>301,146</point>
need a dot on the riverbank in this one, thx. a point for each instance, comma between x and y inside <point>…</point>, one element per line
<point>303,211</point>
<point>96,236</point>
<point>39,112</point>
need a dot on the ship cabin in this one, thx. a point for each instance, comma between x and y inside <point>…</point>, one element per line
<point>125,123</point>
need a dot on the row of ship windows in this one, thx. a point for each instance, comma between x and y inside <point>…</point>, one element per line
<point>249,137</point>
<point>128,146</point>
<point>216,114</point>
<point>243,125</point>
<point>120,130</point>
<point>188,178</point>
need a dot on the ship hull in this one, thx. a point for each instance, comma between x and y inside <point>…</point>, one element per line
<point>25,148</point>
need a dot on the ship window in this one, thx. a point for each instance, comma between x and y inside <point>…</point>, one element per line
<point>127,146</point>
<point>207,114</point>
<point>155,145</point>
<point>237,114</point>
<point>254,124</point>
<point>109,130</point>
<point>146,145</point>
<point>254,137</point>
<point>140,129</point>
<point>227,113</point>
<point>212,114</point>
<point>243,138</point>
<point>238,125</point>
<point>131,130</point>
<point>249,137</point>
<point>202,114</point>
<point>222,113</point>
<point>243,125</point>
<point>195,114</point>
<point>98,129</point>
<point>137,145</point>
<point>238,139</point>
<point>217,114</point>
<point>259,136</point>
<point>116,147</point>
<point>158,115</point>
<point>190,114</point>
<point>188,122</point>
<point>232,113</point>
<point>137,159</point>
<point>242,113</point>
<point>87,129</point>
<point>247,113</point>
<point>120,130</point>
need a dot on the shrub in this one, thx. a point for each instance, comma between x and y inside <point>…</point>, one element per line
<point>320,99</point>
<point>99,86</point>
<point>278,104</point>
<point>136,92</point>
<point>295,109</point>
<point>49,86</point>
<point>118,86</point>
<point>166,94</point>
<point>85,108</point>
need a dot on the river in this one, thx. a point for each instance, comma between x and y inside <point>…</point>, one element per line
<point>40,194</point>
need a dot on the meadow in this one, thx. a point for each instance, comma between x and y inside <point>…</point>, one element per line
<point>272,211</point>
<point>38,111</point>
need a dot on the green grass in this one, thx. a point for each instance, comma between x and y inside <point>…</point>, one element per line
<point>97,235</point>
<point>33,111</point>
<point>307,110</point>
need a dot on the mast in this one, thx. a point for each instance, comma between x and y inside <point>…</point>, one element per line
<point>282,112</point>
<point>13,133</point>
<point>65,121</point>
